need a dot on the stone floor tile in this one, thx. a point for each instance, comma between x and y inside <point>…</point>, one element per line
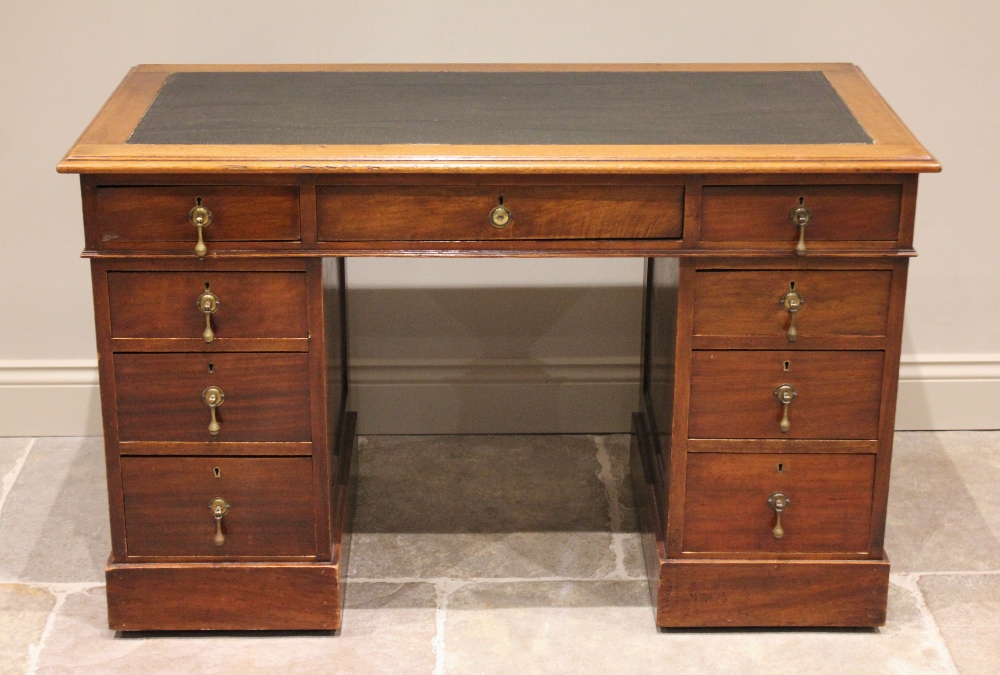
<point>967,611</point>
<point>607,627</point>
<point>944,506</point>
<point>388,628</point>
<point>480,506</point>
<point>23,613</point>
<point>54,524</point>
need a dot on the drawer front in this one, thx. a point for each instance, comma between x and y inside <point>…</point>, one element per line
<point>829,502</point>
<point>159,397</point>
<point>239,213</point>
<point>750,303</point>
<point>429,213</point>
<point>166,304</point>
<point>837,394</point>
<point>840,213</point>
<point>270,506</point>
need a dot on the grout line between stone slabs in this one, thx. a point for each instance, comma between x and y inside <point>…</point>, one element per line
<point>909,583</point>
<point>605,475</point>
<point>961,573</point>
<point>443,589</point>
<point>8,480</point>
<point>479,580</point>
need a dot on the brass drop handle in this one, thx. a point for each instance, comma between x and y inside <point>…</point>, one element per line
<point>213,398</point>
<point>500,216</point>
<point>792,302</point>
<point>219,507</point>
<point>208,303</point>
<point>785,395</point>
<point>800,217</point>
<point>778,502</point>
<point>201,218</point>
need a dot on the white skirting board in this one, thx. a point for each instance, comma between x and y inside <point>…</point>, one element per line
<point>936,391</point>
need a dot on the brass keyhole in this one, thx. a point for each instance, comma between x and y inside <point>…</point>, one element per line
<point>217,472</point>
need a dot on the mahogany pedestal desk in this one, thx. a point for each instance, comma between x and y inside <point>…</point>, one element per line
<point>774,205</point>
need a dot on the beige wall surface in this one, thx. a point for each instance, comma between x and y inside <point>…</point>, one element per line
<point>560,338</point>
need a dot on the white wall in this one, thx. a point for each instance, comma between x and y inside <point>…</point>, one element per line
<point>937,63</point>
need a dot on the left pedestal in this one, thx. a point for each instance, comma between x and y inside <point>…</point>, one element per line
<point>228,442</point>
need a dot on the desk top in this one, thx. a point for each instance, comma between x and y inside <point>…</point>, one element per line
<point>644,119</point>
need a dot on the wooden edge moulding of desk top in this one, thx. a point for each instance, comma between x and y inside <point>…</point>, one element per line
<point>102,148</point>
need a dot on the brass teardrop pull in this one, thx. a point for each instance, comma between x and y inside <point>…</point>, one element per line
<point>785,394</point>
<point>201,218</point>
<point>213,398</point>
<point>792,302</point>
<point>778,502</point>
<point>208,303</point>
<point>800,218</point>
<point>219,508</point>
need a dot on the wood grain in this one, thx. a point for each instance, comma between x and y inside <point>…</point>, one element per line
<point>741,303</point>
<point>167,514</point>
<point>737,593</point>
<point>839,213</point>
<point>224,596</point>
<point>434,213</point>
<point>159,396</point>
<point>251,305</point>
<point>829,510</point>
<point>838,394</point>
<point>160,214</point>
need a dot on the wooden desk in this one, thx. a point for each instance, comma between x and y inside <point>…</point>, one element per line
<point>774,204</point>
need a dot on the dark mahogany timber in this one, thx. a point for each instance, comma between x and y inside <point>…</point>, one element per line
<point>239,213</point>
<point>160,397</point>
<point>432,213</point>
<point>829,511</point>
<point>732,394</point>
<point>841,303</point>
<point>224,596</point>
<point>167,513</point>
<point>697,593</point>
<point>694,167</point>
<point>164,305</point>
<point>839,213</point>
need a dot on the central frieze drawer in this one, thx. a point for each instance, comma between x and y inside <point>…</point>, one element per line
<point>162,213</point>
<point>267,502</point>
<point>162,397</point>
<point>835,394</point>
<point>728,502</point>
<point>430,213</point>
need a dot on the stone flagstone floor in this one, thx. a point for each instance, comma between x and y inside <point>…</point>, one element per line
<point>504,554</point>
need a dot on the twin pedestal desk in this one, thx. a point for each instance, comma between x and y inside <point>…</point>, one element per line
<point>774,205</point>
